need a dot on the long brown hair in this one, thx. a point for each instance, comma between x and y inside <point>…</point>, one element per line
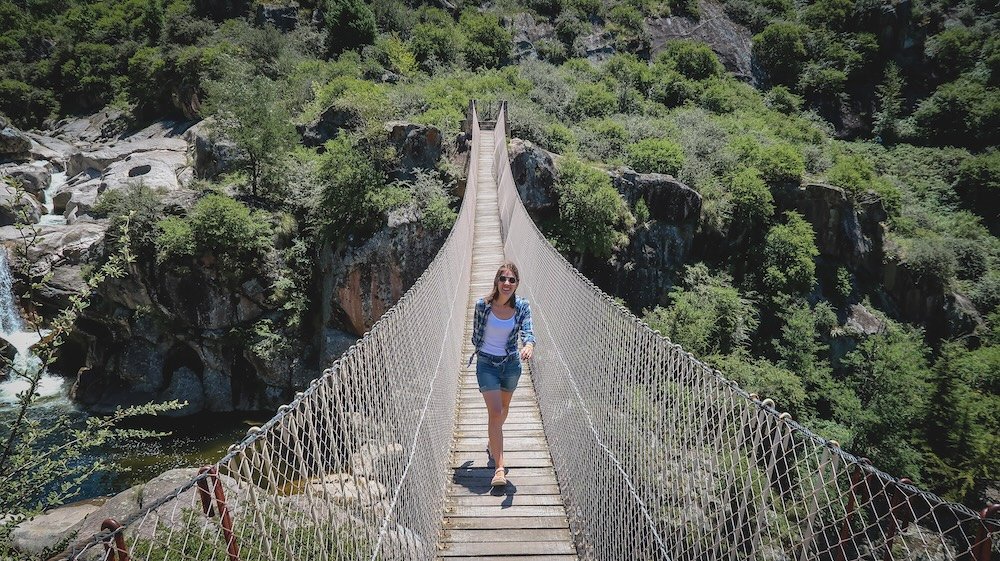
<point>495,293</point>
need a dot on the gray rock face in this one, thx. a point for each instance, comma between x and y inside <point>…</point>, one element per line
<point>327,126</point>
<point>418,146</point>
<point>535,176</point>
<point>730,41</point>
<point>185,385</point>
<point>102,157</point>
<point>211,156</point>
<point>281,17</point>
<point>50,529</point>
<point>362,282</point>
<point>13,208</point>
<point>527,34</point>
<point>668,200</point>
<point>14,145</point>
<point>33,178</point>
<point>848,232</point>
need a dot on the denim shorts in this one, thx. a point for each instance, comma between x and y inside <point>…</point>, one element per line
<point>498,372</point>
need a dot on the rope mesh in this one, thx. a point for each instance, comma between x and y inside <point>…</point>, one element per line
<point>658,455</point>
<point>355,466</point>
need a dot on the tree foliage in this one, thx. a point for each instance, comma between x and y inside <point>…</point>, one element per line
<point>595,215</point>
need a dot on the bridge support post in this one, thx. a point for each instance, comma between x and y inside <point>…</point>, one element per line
<point>118,551</point>
<point>982,550</point>
<point>217,497</point>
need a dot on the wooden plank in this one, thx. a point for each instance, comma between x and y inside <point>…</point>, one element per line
<point>505,522</point>
<point>484,473</point>
<point>486,500</point>
<point>521,488</point>
<point>502,511</point>
<point>487,555</point>
<point>505,535</point>
<point>508,548</point>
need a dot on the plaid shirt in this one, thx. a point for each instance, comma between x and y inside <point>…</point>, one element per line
<point>522,324</point>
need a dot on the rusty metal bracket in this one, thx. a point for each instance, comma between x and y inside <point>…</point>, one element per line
<point>118,551</point>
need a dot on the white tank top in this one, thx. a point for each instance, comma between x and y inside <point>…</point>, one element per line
<point>496,334</point>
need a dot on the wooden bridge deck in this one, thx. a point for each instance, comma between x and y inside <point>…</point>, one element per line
<point>525,520</point>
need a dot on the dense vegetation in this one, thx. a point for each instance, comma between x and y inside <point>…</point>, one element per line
<point>758,301</point>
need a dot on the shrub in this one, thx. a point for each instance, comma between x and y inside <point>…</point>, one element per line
<point>487,43</point>
<point>778,163</point>
<point>672,89</point>
<point>655,155</point>
<point>978,183</point>
<point>822,81</point>
<point>394,55</point>
<point>961,113</point>
<point>594,216</point>
<point>752,200</point>
<point>782,100</point>
<point>559,138</point>
<point>350,24</point>
<point>603,139</point>
<point>931,260</point>
<point>137,203</point>
<point>857,176</point>
<point>952,51</point>
<point>593,100</point>
<point>228,230</point>
<point>789,253</point>
<point>692,59</point>
<point>350,178</point>
<point>781,51</point>
<point>176,241</point>
<point>435,40</point>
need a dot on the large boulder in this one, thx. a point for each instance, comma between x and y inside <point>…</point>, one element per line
<point>102,157</point>
<point>161,170</point>
<point>534,175</point>
<point>328,125</point>
<point>47,531</point>
<point>106,124</point>
<point>528,33</point>
<point>361,282</point>
<point>18,208</point>
<point>211,156</point>
<point>78,195</point>
<point>33,178</point>
<point>668,200</point>
<point>14,145</point>
<point>60,252</point>
<point>284,17</point>
<point>53,150</point>
<point>418,146</point>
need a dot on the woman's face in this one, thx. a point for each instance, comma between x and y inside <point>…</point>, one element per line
<point>506,283</point>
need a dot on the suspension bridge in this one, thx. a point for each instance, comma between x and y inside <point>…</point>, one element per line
<point>619,445</point>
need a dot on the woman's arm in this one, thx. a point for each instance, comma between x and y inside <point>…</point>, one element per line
<point>527,332</point>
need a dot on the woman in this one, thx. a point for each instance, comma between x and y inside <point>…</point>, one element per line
<point>499,317</point>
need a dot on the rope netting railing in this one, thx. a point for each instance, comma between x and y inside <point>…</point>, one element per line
<point>355,467</point>
<point>659,456</point>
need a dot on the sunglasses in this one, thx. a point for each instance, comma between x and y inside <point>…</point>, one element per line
<point>511,280</point>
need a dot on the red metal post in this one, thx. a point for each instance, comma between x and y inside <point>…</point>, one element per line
<point>118,551</point>
<point>897,514</point>
<point>219,496</point>
<point>845,528</point>
<point>982,550</point>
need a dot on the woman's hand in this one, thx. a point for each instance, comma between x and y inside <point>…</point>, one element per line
<point>527,351</point>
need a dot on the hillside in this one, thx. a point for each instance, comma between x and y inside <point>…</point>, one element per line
<point>805,195</point>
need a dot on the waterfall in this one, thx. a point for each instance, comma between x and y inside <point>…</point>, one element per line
<point>10,318</point>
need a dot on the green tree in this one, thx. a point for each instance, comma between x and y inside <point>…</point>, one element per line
<point>752,199</point>
<point>963,428</point>
<point>692,59</point>
<point>593,216</point>
<point>891,376</point>
<point>349,24</point>
<point>487,43</point>
<point>789,257</point>
<point>435,39</point>
<point>890,105</point>
<point>350,178</point>
<point>961,113</point>
<point>781,51</point>
<point>978,183</point>
<point>708,316</point>
<point>250,112</point>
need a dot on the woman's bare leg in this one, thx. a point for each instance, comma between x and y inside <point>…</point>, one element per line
<point>497,414</point>
<point>505,398</point>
